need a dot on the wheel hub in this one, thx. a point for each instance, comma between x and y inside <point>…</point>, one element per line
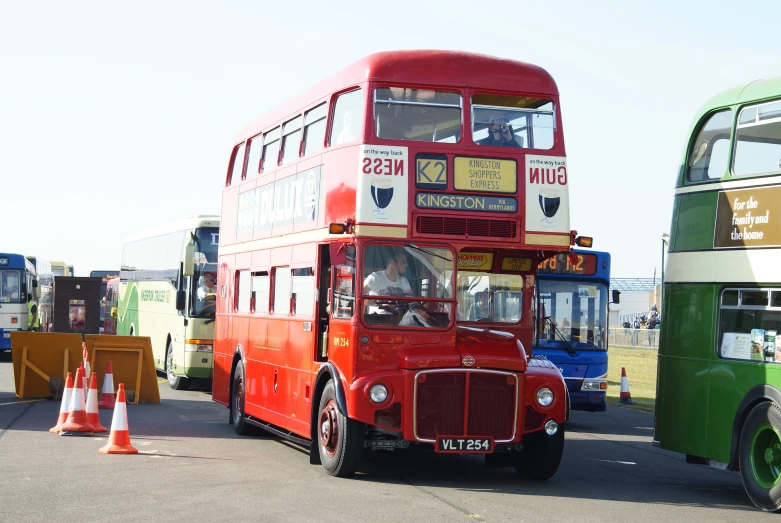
<point>773,455</point>
<point>329,428</point>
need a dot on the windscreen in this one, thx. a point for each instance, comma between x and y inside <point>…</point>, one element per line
<point>11,286</point>
<point>204,281</point>
<point>574,311</point>
<point>489,297</point>
<point>408,286</point>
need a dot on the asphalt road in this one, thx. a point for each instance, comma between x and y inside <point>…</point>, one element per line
<point>193,467</point>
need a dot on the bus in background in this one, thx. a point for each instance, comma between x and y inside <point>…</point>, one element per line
<point>110,306</point>
<point>71,272</point>
<point>105,276</point>
<point>46,296</point>
<point>164,294</point>
<point>718,396</point>
<point>572,318</point>
<point>60,268</point>
<point>356,221</point>
<point>17,280</point>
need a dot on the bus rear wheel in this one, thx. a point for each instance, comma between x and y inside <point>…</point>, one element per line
<point>541,455</point>
<point>174,381</point>
<point>339,439</point>
<point>760,456</point>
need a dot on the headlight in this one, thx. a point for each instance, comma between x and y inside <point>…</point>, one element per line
<point>551,428</point>
<point>545,396</point>
<point>594,385</point>
<point>378,393</point>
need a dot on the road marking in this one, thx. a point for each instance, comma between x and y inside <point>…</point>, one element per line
<point>18,402</point>
<point>613,461</point>
<point>163,380</point>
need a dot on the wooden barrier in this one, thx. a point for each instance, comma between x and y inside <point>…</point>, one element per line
<point>131,361</point>
<point>38,357</point>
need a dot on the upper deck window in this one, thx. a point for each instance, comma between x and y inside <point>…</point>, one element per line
<point>254,156</point>
<point>291,139</point>
<point>237,165</point>
<point>271,149</point>
<point>709,155</point>
<point>513,121</point>
<point>758,140</point>
<point>314,129</point>
<point>347,123</point>
<point>419,115</point>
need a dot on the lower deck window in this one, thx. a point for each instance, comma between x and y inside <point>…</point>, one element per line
<point>749,321</point>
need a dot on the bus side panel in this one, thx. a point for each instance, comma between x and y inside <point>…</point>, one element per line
<point>696,218</point>
<point>732,381</point>
<point>684,360</point>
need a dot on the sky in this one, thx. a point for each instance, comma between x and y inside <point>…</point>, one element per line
<point>118,117</point>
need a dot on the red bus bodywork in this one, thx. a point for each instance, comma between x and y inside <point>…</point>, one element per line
<point>462,380</point>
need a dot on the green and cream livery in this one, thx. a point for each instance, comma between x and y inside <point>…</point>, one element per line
<point>167,291</point>
<point>719,380</point>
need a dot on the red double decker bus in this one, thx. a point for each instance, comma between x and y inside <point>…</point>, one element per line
<point>378,243</point>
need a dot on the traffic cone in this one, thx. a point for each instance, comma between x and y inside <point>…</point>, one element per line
<point>84,381</point>
<point>119,439</point>
<point>65,405</point>
<point>77,424</point>
<point>92,405</point>
<point>625,398</point>
<point>107,392</point>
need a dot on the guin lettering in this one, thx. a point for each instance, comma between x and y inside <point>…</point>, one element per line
<point>548,176</point>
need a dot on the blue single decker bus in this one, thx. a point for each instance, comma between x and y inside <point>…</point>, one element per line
<point>571,307</point>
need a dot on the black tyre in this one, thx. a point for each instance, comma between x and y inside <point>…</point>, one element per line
<point>759,456</point>
<point>175,382</point>
<point>339,439</point>
<point>237,418</point>
<point>541,455</point>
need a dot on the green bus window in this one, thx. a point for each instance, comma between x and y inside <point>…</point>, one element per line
<point>748,326</point>
<point>758,140</point>
<point>709,156</point>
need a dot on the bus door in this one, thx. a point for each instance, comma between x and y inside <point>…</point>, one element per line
<point>335,330</point>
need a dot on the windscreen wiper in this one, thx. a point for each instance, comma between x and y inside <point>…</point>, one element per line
<point>569,348</point>
<point>424,251</point>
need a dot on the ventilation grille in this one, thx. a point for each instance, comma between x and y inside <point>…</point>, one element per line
<point>534,419</point>
<point>390,417</point>
<point>447,226</point>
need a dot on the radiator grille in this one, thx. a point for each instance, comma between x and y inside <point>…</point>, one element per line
<point>440,405</point>
<point>447,226</point>
<point>491,405</point>
<point>390,417</point>
<point>534,419</point>
<point>490,408</point>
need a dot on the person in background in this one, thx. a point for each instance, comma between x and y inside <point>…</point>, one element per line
<point>500,133</point>
<point>33,322</point>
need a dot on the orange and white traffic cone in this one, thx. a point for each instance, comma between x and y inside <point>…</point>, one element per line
<point>107,392</point>
<point>625,398</point>
<point>92,405</point>
<point>119,439</point>
<point>77,424</point>
<point>65,405</point>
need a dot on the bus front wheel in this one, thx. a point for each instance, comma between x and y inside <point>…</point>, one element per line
<point>237,418</point>
<point>174,381</point>
<point>541,455</point>
<point>339,439</point>
<point>760,456</point>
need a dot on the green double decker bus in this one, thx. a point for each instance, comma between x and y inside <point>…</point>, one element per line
<point>719,383</point>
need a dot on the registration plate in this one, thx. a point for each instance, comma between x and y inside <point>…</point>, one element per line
<point>461,445</point>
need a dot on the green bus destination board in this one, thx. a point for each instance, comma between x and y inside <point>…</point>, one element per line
<point>465,203</point>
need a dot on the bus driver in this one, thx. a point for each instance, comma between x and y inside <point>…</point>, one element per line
<point>389,282</point>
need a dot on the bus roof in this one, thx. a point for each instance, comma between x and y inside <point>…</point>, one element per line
<point>193,222</point>
<point>418,67</point>
<point>755,91</point>
<point>16,261</point>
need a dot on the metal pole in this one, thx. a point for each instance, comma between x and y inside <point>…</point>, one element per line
<point>661,285</point>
